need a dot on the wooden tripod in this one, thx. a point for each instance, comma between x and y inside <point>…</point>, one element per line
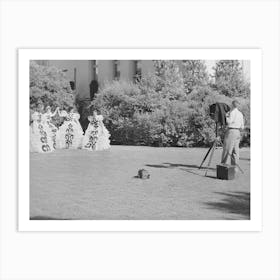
<point>211,150</point>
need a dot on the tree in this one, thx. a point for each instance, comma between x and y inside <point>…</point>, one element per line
<point>194,74</point>
<point>169,79</point>
<point>49,85</point>
<point>229,79</point>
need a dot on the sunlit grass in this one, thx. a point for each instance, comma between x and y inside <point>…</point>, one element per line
<point>77,184</point>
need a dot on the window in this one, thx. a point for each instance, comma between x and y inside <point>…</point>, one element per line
<point>116,69</point>
<point>137,70</point>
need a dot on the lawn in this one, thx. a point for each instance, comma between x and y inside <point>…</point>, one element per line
<point>78,184</point>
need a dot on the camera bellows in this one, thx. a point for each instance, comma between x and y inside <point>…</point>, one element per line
<point>218,112</point>
<point>143,174</point>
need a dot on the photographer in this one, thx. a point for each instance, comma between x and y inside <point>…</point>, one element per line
<point>235,122</point>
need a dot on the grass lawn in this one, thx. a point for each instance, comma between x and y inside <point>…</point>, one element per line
<point>78,184</point>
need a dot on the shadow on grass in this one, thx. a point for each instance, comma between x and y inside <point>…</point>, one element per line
<point>190,168</point>
<point>234,203</point>
<point>247,159</point>
<point>174,165</point>
<point>45,218</point>
<point>191,171</point>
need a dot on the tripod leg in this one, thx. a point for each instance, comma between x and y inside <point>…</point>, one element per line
<point>240,168</point>
<point>206,155</point>
<point>237,165</point>
<point>211,156</point>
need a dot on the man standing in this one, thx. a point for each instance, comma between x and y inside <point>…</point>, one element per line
<point>235,122</point>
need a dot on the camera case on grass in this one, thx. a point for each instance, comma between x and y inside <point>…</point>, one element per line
<point>225,172</point>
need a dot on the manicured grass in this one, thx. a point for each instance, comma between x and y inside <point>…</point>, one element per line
<point>78,184</point>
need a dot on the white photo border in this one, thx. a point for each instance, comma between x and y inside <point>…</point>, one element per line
<point>255,222</point>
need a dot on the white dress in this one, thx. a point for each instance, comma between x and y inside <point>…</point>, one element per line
<point>96,136</point>
<point>40,134</point>
<point>52,128</point>
<point>70,133</point>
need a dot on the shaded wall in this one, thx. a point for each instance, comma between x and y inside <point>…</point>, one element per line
<point>83,74</point>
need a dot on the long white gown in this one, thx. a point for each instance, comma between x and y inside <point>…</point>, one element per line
<point>53,129</point>
<point>40,134</point>
<point>96,136</point>
<point>70,133</point>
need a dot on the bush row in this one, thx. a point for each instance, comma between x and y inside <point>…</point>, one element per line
<point>135,114</point>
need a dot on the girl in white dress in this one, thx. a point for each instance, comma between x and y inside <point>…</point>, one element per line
<point>53,129</point>
<point>96,136</point>
<point>70,133</point>
<point>40,135</point>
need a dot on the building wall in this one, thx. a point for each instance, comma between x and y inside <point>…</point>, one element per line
<point>83,73</point>
<point>105,71</point>
<point>127,69</point>
<point>147,67</point>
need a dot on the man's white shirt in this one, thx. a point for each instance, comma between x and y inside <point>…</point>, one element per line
<point>235,119</point>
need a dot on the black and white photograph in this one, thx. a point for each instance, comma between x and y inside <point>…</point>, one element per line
<point>140,139</point>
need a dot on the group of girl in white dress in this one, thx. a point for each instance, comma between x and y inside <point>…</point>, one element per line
<point>46,137</point>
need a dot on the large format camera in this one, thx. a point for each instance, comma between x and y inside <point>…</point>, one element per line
<point>218,113</point>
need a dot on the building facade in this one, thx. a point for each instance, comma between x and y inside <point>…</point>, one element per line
<point>82,73</point>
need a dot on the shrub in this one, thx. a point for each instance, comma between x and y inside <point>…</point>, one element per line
<point>169,79</point>
<point>194,74</point>
<point>136,114</point>
<point>201,125</point>
<point>204,96</point>
<point>201,128</point>
<point>136,117</point>
<point>49,85</point>
<point>245,108</point>
<point>117,102</point>
<point>166,126</point>
<point>229,79</point>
